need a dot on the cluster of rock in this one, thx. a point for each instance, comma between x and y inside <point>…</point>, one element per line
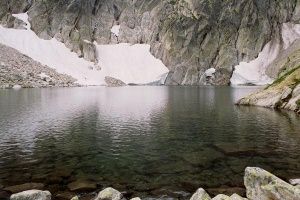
<point>260,185</point>
<point>189,36</point>
<point>18,70</point>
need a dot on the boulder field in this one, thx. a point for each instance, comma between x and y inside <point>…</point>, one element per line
<point>260,185</point>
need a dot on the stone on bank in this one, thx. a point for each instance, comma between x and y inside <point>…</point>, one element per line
<point>32,195</point>
<point>109,194</point>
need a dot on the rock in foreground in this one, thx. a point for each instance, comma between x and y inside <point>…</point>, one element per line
<point>260,185</point>
<point>263,185</point>
<point>32,195</point>
<point>109,194</point>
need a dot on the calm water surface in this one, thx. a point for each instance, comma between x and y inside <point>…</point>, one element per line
<point>142,139</point>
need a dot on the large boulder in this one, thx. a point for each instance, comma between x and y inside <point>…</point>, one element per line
<point>32,195</point>
<point>109,194</point>
<point>263,185</point>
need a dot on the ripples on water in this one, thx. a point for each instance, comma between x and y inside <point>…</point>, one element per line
<point>144,138</point>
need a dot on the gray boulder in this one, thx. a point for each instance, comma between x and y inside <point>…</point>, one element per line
<point>32,195</point>
<point>263,185</point>
<point>200,194</point>
<point>109,194</point>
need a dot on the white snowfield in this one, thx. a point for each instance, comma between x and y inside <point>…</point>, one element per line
<point>129,63</point>
<point>254,72</point>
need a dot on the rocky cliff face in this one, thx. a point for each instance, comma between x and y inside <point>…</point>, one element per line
<point>189,36</point>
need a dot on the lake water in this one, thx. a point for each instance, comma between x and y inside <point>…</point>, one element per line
<point>147,140</point>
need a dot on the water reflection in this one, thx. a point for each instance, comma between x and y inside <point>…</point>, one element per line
<point>142,137</point>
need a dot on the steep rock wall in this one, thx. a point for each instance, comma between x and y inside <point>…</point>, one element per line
<point>189,36</point>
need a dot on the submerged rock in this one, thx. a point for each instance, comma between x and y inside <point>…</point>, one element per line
<point>263,185</point>
<point>113,82</point>
<point>109,194</point>
<point>24,187</point>
<point>32,195</point>
<point>82,185</point>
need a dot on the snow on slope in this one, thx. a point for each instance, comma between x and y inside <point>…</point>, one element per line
<point>254,72</point>
<point>130,63</point>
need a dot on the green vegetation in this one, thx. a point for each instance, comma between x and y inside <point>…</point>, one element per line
<point>294,82</point>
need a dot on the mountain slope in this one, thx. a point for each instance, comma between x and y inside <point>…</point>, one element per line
<point>189,36</point>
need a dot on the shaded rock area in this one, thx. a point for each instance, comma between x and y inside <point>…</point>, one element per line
<point>260,185</point>
<point>20,71</point>
<point>113,82</point>
<point>189,36</point>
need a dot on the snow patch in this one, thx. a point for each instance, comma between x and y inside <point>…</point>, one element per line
<point>23,17</point>
<point>210,72</point>
<point>254,72</point>
<point>116,30</point>
<point>129,63</point>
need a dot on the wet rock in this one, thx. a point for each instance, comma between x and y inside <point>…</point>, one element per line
<point>113,82</point>
<point>200,194</point>
<point>82,185</point>
<point>65,195</point>
<point>24,187</point>
<point>4,195</point>
<point>32,195</point>
<point>109,194</point>
<point>263,185</point>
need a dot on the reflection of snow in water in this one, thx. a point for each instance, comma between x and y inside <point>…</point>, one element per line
<point>51,111</point>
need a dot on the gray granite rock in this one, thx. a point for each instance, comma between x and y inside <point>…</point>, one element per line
<point>32,195</point>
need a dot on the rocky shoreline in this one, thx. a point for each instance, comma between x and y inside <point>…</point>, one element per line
<point>20,71</point>
<point>259,184</point>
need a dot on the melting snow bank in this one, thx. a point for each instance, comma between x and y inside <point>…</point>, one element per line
<point>129,63</point>
<point>254,72</point>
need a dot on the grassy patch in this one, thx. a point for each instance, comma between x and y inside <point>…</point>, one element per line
<point>283,77</point>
